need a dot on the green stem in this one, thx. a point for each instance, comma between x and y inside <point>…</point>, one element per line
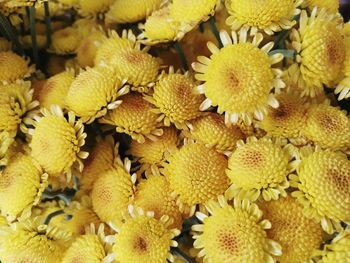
<point>215,31</point>
<point>281,37</point>
<point>285,52</point>
<point>48,23</point>
<point>52,215</point>
<point>10,33</point>
<point>32,13</point>
<point>180,253</point>
<point>182,55</point>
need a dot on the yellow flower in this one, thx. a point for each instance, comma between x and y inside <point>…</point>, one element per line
<point>92,7</point>
<point>135,117</point>
<point>328,127</point>
<point>323,184</point>
<point>27,43</point>
<point>299,236</point>
<point>86,248</point>
<point>5,143</point>
<point>113,44</point>
<point>343,88</point>
<point>269,16</point>
<point>5,45</point>
<point>239,77</point>
<point>152,153</point>
<point>54,90</point>
<point>175,98</point>
<point>145,239</point>
<point>65,41</point>
<point>16,102</point>
<point>196,173</point>
<point>13,67</point>
<point>318,62</point>
<point>21,185</point>
<point>93,92</point>
<point>88,47</point>
<point>154,194</point>
<point>111,195</point>
<point>260,167</point>
<point>288,119</point>
<point>211,130</point>
<point>56,142</point>
<point>31,241</point>
<point>131,11</point>
<point>338,249</point>
<point>100,159</point>
<point>193,12</point>
<point>234,234</point>
<point>330,5</point>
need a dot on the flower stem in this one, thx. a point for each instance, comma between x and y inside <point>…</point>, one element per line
<point>182,55</point>
<point>215,31</point>
<point>52,215</point>
<point>180,253</point>
<point>285,52</point>
<point>48,23</point>
<point>9,31</point>
<point>32,13</point>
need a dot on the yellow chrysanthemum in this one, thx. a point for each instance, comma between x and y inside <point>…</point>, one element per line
<point>211,130</point>
<point>88,47</point>
<point>152,153</point>
<point>93,92</point>
<point>135,117</point>
<point>323,184</point>
<point>131,11</point>
<point>100,159</point>
<point>113,44</point>
<point>31,241</point>
<point>175,99</point>
<point>339,249</point>
<point>299,236</point>
<point>111,195</point>
<point>159,28</point>
<point>13,67</point>
<point>234,234</point>
<point>5,142</point>
<point>145,239</point>
<point>27,42</point>
<point>139,68</point>
<point>155,194</point>
<point>54,90</point>
<point>239,77</point>
<point>65,41</point>
<point>192,12</point>
<point>330,5</point>
<point>21,185</point>
<point>56,142</point>
<point>328,127</point>
<point>16,102</point>
<point>343,88</point>
<point>320,51</point>
<point>5,45</point>
<point>197,173</point>
<point>259,167</point>
<point>270,16</point>
<point>288,119</point>
<point>86,248</point>
<point>92,7</point>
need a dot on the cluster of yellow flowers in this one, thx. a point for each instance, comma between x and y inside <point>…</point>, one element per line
<point>114,150</point>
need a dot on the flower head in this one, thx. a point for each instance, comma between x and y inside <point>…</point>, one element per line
<point>268,16</point>
<point>13,67</point>
<point>323,180</point>
<point>88,47</point>
<point>54,90</point>
<point>135,116</point>
<point>330,5</point>
<point>328,127</point>
<point>93,92</point>
<point>338,249</point>
<point>154,194</point>
<point>239,77</point>
<point>21,185</point>
<point>260,167</point>
<point>343,88</point>
<point>145,239</point>
<point>196,173</point>
<point>298,235</point>
<point>65,41</point>
<point>56,142</point>
<point>223,235</point>
<point>92,7</point>
<point>5,45</point>
<point>5,143</point>
<point>175,98</point>
<point>318,62</point>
